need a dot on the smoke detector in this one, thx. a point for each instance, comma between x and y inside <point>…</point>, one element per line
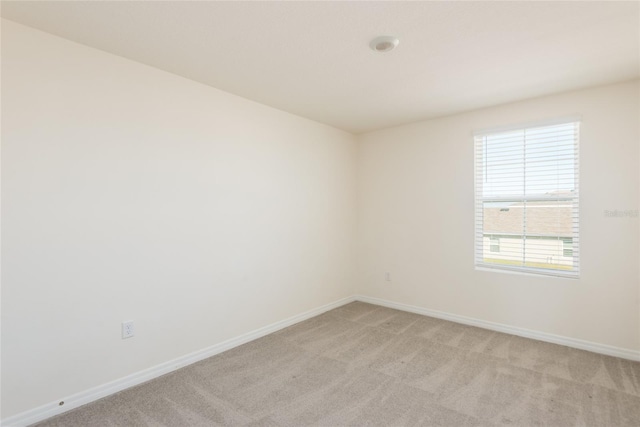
<point>384,43</point>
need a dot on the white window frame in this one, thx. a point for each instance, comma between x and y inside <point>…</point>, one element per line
<point>480,264</point>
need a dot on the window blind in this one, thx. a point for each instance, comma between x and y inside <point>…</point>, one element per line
<point>527,199</point>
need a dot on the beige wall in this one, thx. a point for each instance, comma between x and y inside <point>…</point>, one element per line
<point>131,193</point>
<point>416,216</point>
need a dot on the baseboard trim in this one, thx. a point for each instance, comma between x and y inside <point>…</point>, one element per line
<point>74,401</point>
<point>499,327</point>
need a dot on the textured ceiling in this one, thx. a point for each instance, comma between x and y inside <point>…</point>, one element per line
<point>312,58</point>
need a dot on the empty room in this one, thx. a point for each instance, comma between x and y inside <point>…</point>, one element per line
<point>320,213</point>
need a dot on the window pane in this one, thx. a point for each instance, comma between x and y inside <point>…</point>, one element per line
<point>550,160</point>
<point>567,247</point>
<point>495,244</point>
<point>503,221</point>
<point>527,199</point>
<point>503,169</point>
<point>548,226</point>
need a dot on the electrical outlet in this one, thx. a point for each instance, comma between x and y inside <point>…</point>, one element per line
<point>387,276</point>
<point>127,329</point>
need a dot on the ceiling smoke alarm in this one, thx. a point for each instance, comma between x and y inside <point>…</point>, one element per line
<point>384,43</point>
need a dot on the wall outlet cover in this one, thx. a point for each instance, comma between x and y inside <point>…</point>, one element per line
<point>127,329</point>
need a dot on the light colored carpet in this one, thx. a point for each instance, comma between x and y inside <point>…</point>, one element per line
<point>365,365</point>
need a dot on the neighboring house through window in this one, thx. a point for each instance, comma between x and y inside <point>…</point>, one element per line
<point>495,244</point>
<point>526,186</point>
<point>567,247</point>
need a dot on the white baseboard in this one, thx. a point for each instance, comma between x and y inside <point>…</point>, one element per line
<point>499,327</point>
<point>71,402</point>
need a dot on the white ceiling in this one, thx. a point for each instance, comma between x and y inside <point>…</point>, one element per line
<point>312,58</point>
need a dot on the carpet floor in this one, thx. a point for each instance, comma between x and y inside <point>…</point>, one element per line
<point>365,365</point>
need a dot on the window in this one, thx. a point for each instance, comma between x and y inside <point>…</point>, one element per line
<point>494,244</point>
<point>567,247</point>
<point>526,198</point>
